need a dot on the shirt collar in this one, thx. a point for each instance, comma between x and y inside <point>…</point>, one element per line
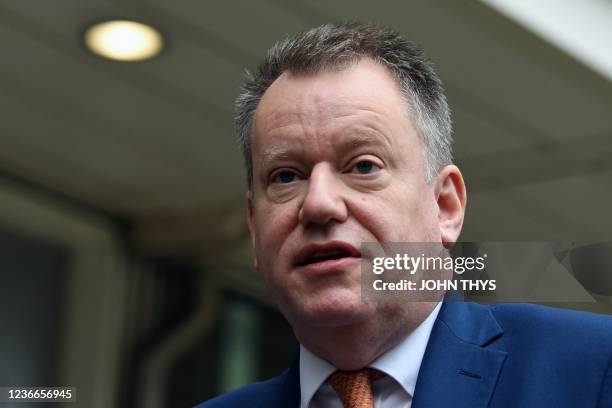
<point>401,362</point>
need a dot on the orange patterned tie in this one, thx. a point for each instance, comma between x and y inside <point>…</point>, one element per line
<point>355,387</point>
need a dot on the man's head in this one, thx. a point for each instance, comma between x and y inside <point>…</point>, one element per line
<point>347,139</point>
<point>332,47</point>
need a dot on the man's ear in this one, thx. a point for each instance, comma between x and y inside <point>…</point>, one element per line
<point>251,222</point>
<point>451,198</point>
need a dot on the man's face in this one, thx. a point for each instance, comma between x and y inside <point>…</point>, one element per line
<point>336,162</point>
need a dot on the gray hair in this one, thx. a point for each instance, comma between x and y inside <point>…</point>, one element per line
<point>332,46</point>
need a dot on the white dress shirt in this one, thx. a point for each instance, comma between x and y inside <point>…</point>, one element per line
<point>401,364</point>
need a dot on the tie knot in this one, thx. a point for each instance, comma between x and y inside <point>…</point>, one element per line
<point>355,387</point>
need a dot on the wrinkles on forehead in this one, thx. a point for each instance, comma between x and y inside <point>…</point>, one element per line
<point>303,96</point>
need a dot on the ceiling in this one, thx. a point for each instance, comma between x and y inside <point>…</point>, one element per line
<point>153,143</point>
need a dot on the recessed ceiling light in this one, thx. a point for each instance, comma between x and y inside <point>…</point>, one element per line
<point>124,40</point>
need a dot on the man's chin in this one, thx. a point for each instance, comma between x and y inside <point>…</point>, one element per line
<point>327,312</point>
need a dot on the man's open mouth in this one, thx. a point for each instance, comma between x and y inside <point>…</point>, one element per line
<point>328,251</point>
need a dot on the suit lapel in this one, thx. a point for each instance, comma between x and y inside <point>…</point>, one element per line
<point>289,395</point>
<point>458,369</point>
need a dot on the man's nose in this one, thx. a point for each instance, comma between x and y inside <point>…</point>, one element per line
<point>323,201</point>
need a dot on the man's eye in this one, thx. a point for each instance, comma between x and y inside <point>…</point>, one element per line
<point>366,167</point>
<point>284,176</point>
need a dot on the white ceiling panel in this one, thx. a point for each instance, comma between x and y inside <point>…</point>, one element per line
<point>475,56</point>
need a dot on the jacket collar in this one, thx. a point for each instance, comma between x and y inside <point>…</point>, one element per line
<point>458,368</point>
<point>289,395</point>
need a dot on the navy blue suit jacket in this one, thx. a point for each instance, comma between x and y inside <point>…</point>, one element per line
<point>504,355</point>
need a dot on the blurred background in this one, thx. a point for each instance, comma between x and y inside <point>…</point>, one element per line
<point>125,266</point>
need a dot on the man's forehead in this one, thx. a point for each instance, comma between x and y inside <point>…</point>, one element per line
<point>364,90</point>
<point>307,102</point>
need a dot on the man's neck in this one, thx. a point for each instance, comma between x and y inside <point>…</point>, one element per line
<point>356,346</point>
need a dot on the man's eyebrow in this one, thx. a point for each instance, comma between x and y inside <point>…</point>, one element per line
<point>274,154</point>
<point>360,138</point>
<point>366,137</point>
<point>356,138</point>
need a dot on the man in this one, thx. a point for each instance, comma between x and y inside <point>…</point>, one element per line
<point>347,139</point>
